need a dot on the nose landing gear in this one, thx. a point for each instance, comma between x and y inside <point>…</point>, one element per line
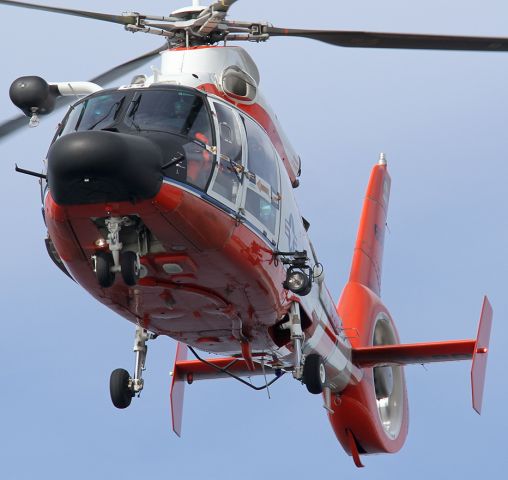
<point>106,264</point>
<point>122,387</point>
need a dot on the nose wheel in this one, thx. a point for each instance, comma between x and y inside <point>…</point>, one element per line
<point>104,266</point>
<point>129,268</point>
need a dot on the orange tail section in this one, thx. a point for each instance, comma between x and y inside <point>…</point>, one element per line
<point>369,419</point>
<point>368,253</point>
<point>365,422</point>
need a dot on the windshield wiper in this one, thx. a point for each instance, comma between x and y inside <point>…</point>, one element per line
<point>132,113</point>
<point>191,117</point>
<point>104,117</point>
<point>179,156</point>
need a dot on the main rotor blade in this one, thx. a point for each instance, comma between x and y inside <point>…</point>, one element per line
<point>109,76</point>
<point>395,40</point>
<point>121,19</point>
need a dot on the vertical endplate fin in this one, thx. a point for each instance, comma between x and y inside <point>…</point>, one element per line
<point>480,355</point>
<point>178,389</point>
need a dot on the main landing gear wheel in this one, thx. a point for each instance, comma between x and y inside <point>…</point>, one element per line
<point>103,265</point>
<point>129,268</point>
<point>314,374</point>
<point>120,389</point>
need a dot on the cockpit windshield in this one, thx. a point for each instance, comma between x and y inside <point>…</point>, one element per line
<point>172,111</point>
<point>95,113</point>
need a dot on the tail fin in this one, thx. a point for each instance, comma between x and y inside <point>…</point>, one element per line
<point>368,254</point>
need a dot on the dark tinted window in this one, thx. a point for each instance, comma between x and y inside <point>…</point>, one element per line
<point>172,111</point>
<point>94,113</point>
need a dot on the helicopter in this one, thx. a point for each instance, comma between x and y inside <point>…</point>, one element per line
<point>287,264</point>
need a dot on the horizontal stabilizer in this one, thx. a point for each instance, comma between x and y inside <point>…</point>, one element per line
<point>192,370</point>
<point>415,353</point>
<point>188,371</point>
<point>449,351</point>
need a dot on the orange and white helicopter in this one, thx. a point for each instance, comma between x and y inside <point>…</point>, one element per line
<point>171,201</point>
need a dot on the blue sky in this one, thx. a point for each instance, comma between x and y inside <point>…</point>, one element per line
<point>441,119</point>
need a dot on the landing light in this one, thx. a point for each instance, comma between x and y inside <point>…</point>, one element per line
<point>101,243</point>
<point>297,281</point>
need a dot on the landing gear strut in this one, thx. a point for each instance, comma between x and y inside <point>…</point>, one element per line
<point>310,370</point>
<point>122,387</point>
<point>294,325</point>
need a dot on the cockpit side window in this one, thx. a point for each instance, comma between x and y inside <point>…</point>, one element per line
<point>227,181</point>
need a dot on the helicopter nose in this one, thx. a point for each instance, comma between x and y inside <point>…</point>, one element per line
<point>103,166</point>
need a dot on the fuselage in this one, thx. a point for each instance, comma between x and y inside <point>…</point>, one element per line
<point>223,207</point>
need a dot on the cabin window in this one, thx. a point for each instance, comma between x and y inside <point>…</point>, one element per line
<point>261,155</point>
<point>262,196</point>
<point>229,169</point>
<point>261,208</point>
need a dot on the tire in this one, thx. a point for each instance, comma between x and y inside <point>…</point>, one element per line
<point>103,263</point>
<point>314,374</point>
<point>121,394</point>
<point>129,268</point>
